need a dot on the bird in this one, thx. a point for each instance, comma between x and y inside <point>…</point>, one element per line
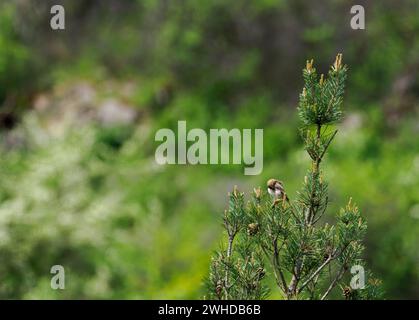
<point>276,189</point>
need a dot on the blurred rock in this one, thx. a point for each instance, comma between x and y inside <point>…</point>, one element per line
<point>113,112</point>
<point>78,104</point>
<point>352,121</point>
<point>41,102</point>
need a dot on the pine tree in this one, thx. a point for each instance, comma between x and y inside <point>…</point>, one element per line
<point>285,237</point>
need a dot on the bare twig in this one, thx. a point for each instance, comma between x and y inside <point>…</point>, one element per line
<point>322,213</point>
<point>315,273</point>
<point>229,250</point>
<point>327,144</point>
<point>279,276</point>
<point>334,282</point>
<point>277,264</point>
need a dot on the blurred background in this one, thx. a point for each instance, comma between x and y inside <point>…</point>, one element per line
<point>79,108</point>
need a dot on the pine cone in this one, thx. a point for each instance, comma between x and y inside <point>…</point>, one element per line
<point>252,229</point>
<point>347,293</point>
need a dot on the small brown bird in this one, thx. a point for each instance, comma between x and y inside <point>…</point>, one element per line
<point>276,189</point>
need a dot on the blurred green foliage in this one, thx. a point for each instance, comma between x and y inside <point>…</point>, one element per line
<point>90,196</point>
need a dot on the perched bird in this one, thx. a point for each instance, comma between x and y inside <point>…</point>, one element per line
<point>276,189</point>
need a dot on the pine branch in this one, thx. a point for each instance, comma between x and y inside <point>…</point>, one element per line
<point>285,231</point>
